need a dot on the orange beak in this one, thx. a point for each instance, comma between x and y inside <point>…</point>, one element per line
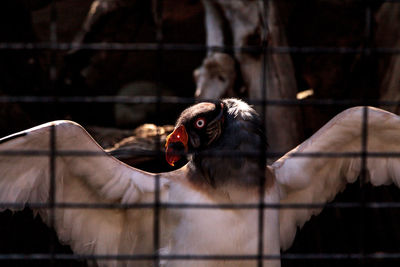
<point>177,137</point>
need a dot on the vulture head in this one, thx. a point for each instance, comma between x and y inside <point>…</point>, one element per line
<point>217,134</point>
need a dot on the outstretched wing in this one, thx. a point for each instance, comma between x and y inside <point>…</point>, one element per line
<point>305,176</point>
<point>83,173</point>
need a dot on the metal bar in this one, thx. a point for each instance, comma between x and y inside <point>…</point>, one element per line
<point>158,10</point>
<point>63,46</point>
<point>262,153</point>
<point>53,141</point>
<point>166,205</point>
<point>364,133</point>
<point>286,256</point>
<point>225,153</point>
<point>189,100</point>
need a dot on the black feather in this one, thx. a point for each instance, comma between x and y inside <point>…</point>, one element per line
<point>242,134</point>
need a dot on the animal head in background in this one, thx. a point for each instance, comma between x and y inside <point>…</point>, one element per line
<point>219,76</point>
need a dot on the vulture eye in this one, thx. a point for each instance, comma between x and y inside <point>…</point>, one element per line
<point>200,122</point>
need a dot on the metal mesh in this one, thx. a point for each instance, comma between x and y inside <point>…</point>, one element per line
<point>160,47</point>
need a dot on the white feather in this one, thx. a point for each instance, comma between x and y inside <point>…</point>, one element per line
<point>319,179</point>
<point>80,179</point>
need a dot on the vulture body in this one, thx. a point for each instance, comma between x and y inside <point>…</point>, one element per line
<point>222,141</point>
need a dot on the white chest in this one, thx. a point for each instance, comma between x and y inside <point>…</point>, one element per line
<point>223,232</point>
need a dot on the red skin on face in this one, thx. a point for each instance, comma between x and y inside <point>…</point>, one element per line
<point>178,135</point>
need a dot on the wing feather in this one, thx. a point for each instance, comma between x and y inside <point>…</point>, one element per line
<point>84,173</point>
<point>317,179</point>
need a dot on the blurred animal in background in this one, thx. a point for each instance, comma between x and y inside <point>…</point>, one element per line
<point>127,115</point>
<point>213,135</point>
<point>142,147</point>
<point>388,23</point>
<point>248,26</point>
<point>97,15</point>
<point>218,77</point>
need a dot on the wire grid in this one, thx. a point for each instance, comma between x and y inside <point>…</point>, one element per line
<point>160,47</point>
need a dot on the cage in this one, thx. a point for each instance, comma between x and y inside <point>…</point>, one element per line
<point>112,65</point>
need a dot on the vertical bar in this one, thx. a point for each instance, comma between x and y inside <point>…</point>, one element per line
<point>52,159</point>
<point>368,28</point>
<point>363,178</point>
<point>159,57</point>
<point>263,161</point>
<point>364,134</point>
<point>52,189</point>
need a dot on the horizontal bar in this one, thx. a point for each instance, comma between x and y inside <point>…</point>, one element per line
<point>284,256</point>
<point>221,153</point>
<point>164,205</point>
<point>113,46</point>
<point>99,99</point>
<point>189,100</point>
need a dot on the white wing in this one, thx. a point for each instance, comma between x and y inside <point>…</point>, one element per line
<point>317,179</point>
<point>85,178</point>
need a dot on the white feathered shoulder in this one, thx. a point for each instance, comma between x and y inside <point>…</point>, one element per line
<point>319,168</point>
<point>84,174</point>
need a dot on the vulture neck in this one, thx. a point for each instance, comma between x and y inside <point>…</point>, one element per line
<point>236,172</point>
<point>242,188</point>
